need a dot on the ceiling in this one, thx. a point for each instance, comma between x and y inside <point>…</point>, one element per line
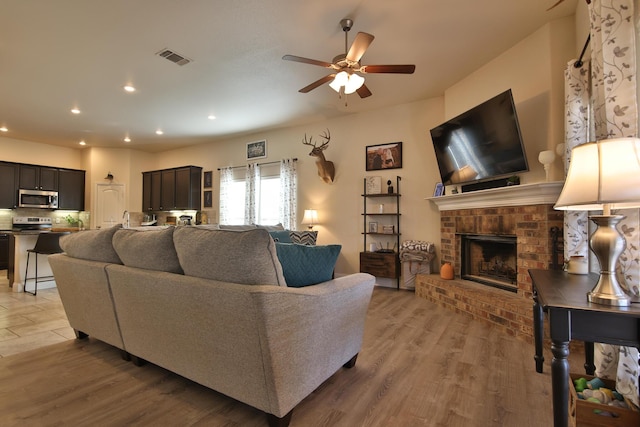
<point>57,55</point>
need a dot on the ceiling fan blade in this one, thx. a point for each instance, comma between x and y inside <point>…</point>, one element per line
<point>397,69</point>
<point>363,91</point>
<point>306,60</point>
<point>359,46</point>
<point>317,83</point>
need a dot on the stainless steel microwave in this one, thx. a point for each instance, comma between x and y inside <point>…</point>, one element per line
<point>37,199</point>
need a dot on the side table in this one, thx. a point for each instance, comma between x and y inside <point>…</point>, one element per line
<point>563,297</point>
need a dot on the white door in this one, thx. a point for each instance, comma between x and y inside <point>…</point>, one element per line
<point>110,205</point>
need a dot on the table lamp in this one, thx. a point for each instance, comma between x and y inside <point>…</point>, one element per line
<point>604,175</point>
<point>310,218</point>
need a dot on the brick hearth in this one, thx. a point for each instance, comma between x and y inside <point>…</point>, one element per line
<point>529,223</point>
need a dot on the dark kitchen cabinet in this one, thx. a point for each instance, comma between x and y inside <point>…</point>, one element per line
<point>4,251</point>
<point>188,188</point>
<point>8,185</point>
<point>168,190</point>
<point>156,191</point>
<point>71,189</point>
<point>33,177</point>
<point>146,191</point>
<point>172,189</point>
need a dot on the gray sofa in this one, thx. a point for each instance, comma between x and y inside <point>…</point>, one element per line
<point>213,306</point>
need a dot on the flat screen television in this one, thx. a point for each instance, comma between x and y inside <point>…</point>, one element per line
<point>481,144</point>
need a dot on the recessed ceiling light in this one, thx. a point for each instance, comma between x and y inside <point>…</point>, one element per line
<point>3,129</point>
<point>82,143</point>
<point>211,117</point>
<point>127,139</point>
<point>159,132</point>
<point>75,111</point>
<point>129,88</point>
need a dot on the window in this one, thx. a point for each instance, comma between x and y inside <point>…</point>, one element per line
<point>267,196</point>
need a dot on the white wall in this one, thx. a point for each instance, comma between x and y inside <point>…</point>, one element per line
<point>15,150</point>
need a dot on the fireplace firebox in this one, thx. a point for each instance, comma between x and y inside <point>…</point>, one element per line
<point>490,260</point>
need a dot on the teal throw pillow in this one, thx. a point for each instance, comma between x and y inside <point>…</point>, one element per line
<point>281,236</point>
<point>307,265</point>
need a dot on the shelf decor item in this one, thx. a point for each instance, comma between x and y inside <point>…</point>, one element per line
<point>373,184</point>
<point>446,271</point>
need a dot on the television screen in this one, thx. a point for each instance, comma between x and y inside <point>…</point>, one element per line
<point>481,143</point>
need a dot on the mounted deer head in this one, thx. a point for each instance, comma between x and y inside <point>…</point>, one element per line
<point>326,169</point>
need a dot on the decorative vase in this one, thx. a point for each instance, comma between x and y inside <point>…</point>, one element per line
<point>446,271</point>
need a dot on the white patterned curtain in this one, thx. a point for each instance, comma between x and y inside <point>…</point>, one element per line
<point>288,193</point>
<point>576,133</point>
<point>252,186</point>
<point>226,178</point>
<point>615,114</point>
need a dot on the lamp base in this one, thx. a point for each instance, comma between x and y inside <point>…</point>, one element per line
<point>607,244</point>
<point>616,299</point>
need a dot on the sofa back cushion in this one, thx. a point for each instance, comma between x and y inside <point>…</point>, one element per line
<point>151,250</point>
<point>304,265</point>
<point>94,245</point>
<point>246,257</point>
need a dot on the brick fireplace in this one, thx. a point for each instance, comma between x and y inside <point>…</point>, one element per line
<point>524,212</point>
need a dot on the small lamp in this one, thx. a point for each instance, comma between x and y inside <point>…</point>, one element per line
<point>310,218</point>
<point>546,158</point>
<point>604,175</point>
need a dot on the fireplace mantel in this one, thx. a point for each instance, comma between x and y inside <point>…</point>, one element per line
<point>539,193</point>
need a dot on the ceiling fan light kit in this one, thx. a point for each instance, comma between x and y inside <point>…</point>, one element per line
<point>344,78</point>
<point>350,82</point>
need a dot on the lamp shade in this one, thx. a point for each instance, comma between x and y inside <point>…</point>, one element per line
<point>605,174</point>
<point>310,217</point>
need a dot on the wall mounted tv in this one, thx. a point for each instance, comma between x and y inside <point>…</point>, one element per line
<point>481,145</point>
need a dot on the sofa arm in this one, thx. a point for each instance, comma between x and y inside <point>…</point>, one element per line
<point>309,333</point>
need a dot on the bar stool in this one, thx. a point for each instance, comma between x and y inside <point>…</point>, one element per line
<point>48,243</point>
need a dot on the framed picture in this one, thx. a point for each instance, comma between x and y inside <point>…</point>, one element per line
<point>374,184</point>
<point>257,150</point>
<point>373,227</point>
<point>384,156</point>
<point>208,178</point>
<point>439,190</point>
<point>208,199</point>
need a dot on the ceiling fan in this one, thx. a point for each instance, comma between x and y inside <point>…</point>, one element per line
<point>345,67</point>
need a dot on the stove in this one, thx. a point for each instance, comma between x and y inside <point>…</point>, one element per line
<point>31,224</point>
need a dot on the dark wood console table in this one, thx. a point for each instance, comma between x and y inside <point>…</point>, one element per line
<point>563,297</point>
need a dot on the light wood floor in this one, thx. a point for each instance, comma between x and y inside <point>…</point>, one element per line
<point>420,365</point>
<point>28,322</point>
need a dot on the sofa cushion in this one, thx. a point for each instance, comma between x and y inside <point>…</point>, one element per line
<point>151,250</point>
<point>304,265</point>
<point>246,257</point>
<point>93,245</point>
<point>281,236</point>
<point>303,237</point>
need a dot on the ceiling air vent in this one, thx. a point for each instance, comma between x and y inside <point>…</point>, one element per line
<point>173,57</point>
